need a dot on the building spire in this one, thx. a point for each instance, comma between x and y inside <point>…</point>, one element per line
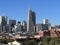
<point>29,7</point>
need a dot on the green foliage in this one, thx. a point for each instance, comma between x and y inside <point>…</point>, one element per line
<point>50,41</point>
<point>5,41</point>
<point>30,42</point>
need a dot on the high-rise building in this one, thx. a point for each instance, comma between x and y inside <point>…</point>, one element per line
<point>7,28</point>
<point>41,27</point>
<point>45,21</point>
<point>17,28</point>
<point>0,28</point>
<point>24,26</point>
<point>31,21</point>
<point>11,24</point>
<point>19,22</point>
<point>3,22</point>
<point>38,27</point>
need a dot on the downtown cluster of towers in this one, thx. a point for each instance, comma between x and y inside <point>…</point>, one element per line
<point>11,25</point>
<point>24,27</point>
<point>20,27</point>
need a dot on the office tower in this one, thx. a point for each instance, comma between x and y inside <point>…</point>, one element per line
<point>17,28</point>
<point>45,21</point>
<point>38,27</point>
<point>11,24</point>
<point>0,28</point>
<point>19,22</point>
<point>24,26</point>
<point>31,21</point>
<point>41,27</point>
<point>3,22</point>
<point>7,28</point>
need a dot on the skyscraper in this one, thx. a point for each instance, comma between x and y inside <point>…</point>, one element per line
<point>3,22</point>
<point>17,28</point>
<point>31,21</point>
<point>11,24</point>
<point>45,21</point>
<point>24,26</point>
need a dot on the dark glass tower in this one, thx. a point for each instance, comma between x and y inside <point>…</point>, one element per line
<point>31,21</point>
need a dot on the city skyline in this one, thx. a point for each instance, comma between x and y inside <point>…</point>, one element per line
<point>18,10</point>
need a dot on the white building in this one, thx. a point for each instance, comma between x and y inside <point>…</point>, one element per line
<point>17,28</point>
<point>24,26</point>
<point>15,43</point>
<point>45,21</point>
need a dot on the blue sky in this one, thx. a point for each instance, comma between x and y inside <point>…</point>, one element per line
<point>18,9</point>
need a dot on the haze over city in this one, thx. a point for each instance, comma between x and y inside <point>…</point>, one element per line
<point>18,9</point>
